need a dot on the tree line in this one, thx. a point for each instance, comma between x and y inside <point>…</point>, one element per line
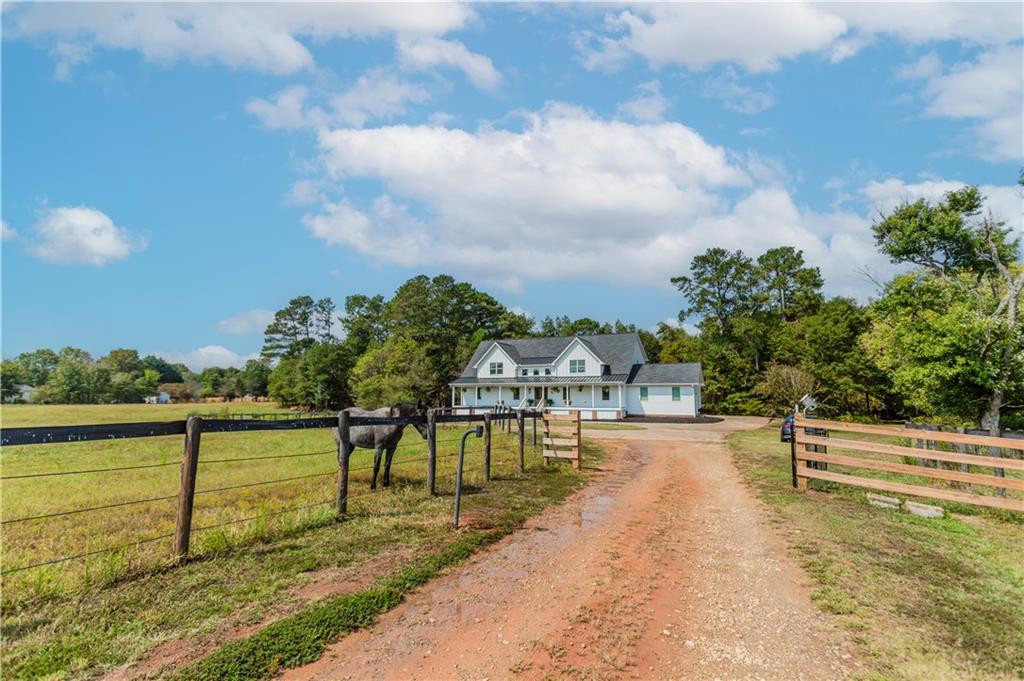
<point>72,376</point>
<point>943,338</point>
<point>400,349</point>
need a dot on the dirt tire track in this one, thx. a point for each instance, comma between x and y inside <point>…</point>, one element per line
<point>664,567</point>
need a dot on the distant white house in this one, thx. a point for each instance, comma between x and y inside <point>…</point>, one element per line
<point>25,393</point>
<point>604,376</point>
<point>160,398</point>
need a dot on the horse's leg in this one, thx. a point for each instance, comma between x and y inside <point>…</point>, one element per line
<point>387,465</point>
<point>376,465</point>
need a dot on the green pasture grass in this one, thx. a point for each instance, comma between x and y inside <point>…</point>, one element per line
<point>597,425</point>
<point>923,598</point>
<point>84,617</point>
<point>24,415</point>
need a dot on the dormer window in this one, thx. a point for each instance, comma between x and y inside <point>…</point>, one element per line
<point>577,366</point>
<point>547,372</point>
<point>526,372</point>
<point>536,372</point>
<point>497,368</point>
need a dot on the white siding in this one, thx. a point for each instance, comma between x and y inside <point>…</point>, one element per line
<point>577,351</point>
<point>659,401</point>
<point>496,354</point>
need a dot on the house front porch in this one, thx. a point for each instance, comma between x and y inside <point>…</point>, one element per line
<point>594,401</point>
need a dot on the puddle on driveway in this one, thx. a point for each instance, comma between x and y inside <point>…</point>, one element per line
<point>469,597</point>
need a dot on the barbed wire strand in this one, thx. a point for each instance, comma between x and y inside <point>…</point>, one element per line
<point>85,510</point>
<point>90,470</point>
<point>87,554</point>
<point>274,456</point>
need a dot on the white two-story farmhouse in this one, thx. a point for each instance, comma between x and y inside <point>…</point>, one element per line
<point>604,377</point>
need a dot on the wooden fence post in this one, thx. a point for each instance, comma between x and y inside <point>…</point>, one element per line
<point>431,451</point>
<point>344,453</point>
<point>578,464</point>
<point>487,446</point>
<point>187,487</point>
<point>792,448</point>
<point>521,425</point>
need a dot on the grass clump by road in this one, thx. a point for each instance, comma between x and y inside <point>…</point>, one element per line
<point>595,425</point>
<point>302,638</point>
<point>923,598</point>
<point>80,621</point>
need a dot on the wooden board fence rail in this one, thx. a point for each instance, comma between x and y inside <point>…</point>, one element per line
<point>810,457</point>
<point>898,450</point>
<point>916,490</point>
<point>561,438</point>
<point>899,431</point>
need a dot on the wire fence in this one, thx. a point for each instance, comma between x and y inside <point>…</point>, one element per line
<point>504,452</point>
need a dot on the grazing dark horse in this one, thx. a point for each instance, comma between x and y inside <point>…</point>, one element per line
<point>382,438</point>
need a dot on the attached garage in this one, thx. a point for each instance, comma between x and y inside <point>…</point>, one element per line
<point>665,390</point>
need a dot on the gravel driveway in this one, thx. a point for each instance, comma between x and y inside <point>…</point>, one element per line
<point>664,567</point>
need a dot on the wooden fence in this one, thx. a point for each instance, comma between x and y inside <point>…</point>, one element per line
<point>811,458</point>
<point>562,437</point>
<point>195,426</point>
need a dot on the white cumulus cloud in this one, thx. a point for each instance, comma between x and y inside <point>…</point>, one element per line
<point>6,231</point>
<point>756,36</point>
<point>264,37</point>
<point>571,195</point>
<point>207,356</point>
<point>759,36</point>
<point>81,234</point>
<point>1004,202</point>
<point>252,321</point>
<point>424,52</point>
<point>378,94</point>
<point>990,91</point>
<point>648,104</point>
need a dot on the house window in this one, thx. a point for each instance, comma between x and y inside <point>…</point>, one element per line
<point>547,372</point>
<point>565,394</point>
<point>515,394</point>
<point>497,368</point>
<point>577,366</point>
<point>606,393</point>
<point>643,394</point>
<point>478,394</point>
<point>536,372</point>
<point>526,372</point>
<point>675,394</point>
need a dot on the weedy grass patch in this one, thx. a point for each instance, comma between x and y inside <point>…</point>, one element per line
<point>923,598</point>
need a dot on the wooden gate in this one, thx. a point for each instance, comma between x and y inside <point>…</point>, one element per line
<point>877,456</point>
<point>562,437</point>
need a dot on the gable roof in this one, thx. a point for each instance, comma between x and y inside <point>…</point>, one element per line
<point>614,349</point>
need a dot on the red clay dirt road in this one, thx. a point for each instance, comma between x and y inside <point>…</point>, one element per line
<point>664,567</point>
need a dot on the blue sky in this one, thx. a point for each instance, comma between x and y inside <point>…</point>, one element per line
<point>173,174</point>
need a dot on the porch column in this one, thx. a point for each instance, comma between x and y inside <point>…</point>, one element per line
<point>453,395</point>
<point>498,401</point>
<point>593,402</point>
<point>620,400</point>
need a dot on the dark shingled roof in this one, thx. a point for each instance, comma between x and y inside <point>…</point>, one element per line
<point>541,380</point>
<point>668,373</point>
<point>614,349</point>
